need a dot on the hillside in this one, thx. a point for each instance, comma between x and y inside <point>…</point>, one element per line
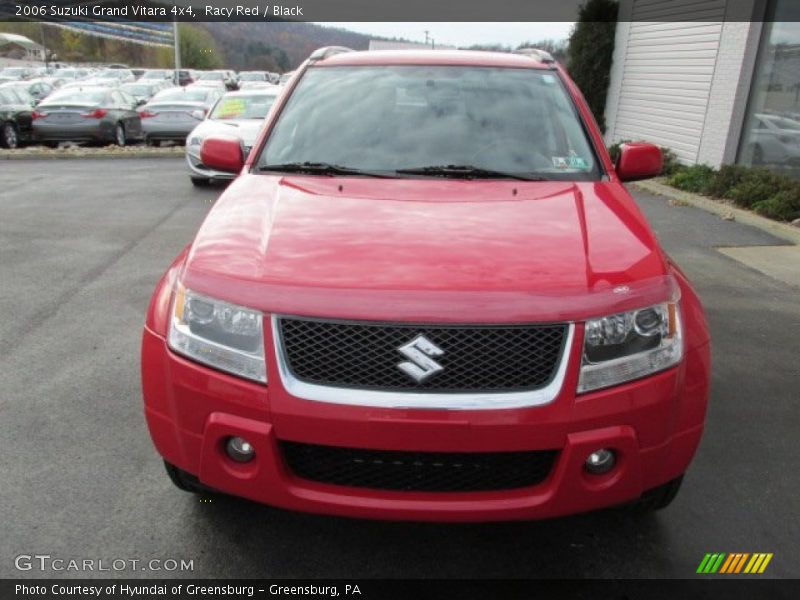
<point>276,46</point>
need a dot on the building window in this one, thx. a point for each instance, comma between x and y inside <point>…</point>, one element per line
<point>771,136</point>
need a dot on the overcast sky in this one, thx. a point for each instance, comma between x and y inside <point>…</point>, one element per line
<point>464,34</point>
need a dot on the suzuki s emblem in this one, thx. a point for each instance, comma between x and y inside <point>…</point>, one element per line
<point>420,365</point>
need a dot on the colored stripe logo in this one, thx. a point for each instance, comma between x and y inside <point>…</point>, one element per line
<point>737,562</point>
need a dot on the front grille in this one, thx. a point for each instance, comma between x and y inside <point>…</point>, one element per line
<point>418,471</point>
<point>475,358</point>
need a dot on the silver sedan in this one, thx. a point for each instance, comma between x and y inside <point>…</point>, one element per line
<point>172,113</point>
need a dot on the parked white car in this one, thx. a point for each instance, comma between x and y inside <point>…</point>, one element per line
<point>774,139</point>
<point>239,114</point>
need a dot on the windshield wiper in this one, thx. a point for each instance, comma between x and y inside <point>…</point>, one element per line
<point>320,168</point>
<point>467,172</point>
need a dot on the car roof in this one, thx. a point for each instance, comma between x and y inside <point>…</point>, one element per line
<point>433,57</point>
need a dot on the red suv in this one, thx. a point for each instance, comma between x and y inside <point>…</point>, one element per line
<point>428,296</point>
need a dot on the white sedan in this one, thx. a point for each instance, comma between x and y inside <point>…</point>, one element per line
<point>240,114</point>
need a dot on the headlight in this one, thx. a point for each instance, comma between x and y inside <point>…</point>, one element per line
<point>630,345</point>
<point>222,335</point>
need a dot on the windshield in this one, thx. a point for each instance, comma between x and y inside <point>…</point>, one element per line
<point>212,77</point>
<point>111,75</point>
<point>181,94</point>
<point>243,107</point>
<point>15,71</point>
<point>155,75</point>
<point>388,118</point>
<point>252,77</point>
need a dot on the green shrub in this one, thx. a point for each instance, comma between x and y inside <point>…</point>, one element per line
<point>692,179</point>
<point>757,185</point>
<point>614,150</point>
<point>783,206</point>
<point>590,50</point>
<point>728,177</point>
<point>671,164</point>
<point>766,192</point>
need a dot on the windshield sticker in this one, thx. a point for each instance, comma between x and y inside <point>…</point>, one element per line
<point>230,108</point>
<point>570,162</point>
<point>577,162</point>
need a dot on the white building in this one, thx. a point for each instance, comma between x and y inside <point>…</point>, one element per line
<point>18,47</point>
<point>721,86</point>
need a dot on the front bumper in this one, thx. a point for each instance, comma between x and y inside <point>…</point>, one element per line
<point>198,169</point>
<point>654,424</point>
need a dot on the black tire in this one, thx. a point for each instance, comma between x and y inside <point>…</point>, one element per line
<point>154,143</point>
<point>10,137</point>
<point>185,481</point>
<point>200,181</point>
<point>658,498</point>
<point>51,144</point>
<point>119,135</point>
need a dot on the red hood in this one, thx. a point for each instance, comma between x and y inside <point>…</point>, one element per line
<point>443,249</point>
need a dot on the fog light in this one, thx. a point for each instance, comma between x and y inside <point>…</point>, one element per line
<point>239,450</point>
<point>600,461</point>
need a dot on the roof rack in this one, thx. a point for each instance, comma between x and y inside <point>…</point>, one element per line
<point>540,55</point>
<point>328,51</point>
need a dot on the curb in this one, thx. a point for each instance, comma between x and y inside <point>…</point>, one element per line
<point>784,231</point>
<point>17,155</point>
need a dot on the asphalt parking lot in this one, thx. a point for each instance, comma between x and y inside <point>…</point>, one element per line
<point>82,245</point>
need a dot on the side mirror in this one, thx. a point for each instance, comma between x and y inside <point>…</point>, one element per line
<point>639,160</point>
<point>222,154</point>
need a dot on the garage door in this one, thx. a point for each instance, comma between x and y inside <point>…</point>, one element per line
<point>667,74</point>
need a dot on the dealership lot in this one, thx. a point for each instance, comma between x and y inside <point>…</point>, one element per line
<point>82,245</point>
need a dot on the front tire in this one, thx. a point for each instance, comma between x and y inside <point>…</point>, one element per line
<point>9,138</point>
<point>200,181</point>
<point>658,498</point>
<point>185,481</point>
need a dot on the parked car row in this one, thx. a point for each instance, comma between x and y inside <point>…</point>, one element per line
<point>116,104</point>
<point>230,78</point>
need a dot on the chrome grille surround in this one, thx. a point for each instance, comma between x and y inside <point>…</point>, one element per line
<point>419,398</point>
